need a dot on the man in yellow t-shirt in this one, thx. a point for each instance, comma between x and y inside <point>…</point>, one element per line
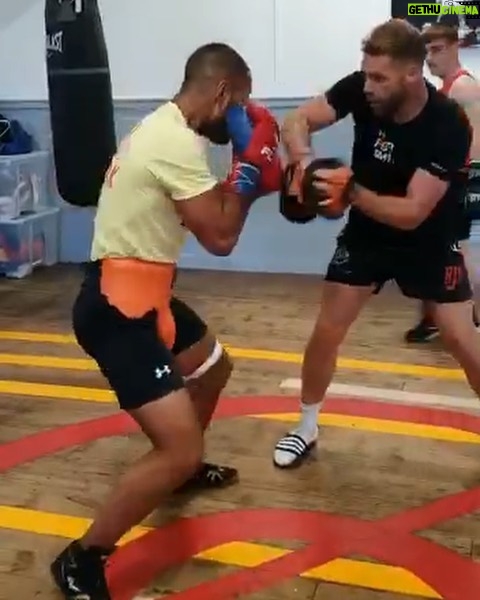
<point>154,232</point>
<point>164,365</point>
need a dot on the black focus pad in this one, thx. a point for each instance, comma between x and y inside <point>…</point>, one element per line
<point>312,195</point>
<point>80,98</point>
<point>290,206</point>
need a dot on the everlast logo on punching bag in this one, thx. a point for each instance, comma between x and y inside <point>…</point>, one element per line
<point>80,97</point>
<point>55,42</point>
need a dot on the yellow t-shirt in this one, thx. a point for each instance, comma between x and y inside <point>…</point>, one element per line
<point>162,161</point>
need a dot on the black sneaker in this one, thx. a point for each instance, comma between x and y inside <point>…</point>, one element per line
<point>424,332</point>
<point>210,476</point>
<point>80,573</point>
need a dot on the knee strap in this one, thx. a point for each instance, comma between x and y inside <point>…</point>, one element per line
<point>208,364</point>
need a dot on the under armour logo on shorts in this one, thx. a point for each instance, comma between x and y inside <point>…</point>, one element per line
<point>160,372</point>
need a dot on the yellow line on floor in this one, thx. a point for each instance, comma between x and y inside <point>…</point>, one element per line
<point>357,573</point>
<point>85,394</point>
<point>55,392</point>
<point>37,337</point>
<point>432,432</point>
<point>47,523</point>
<point>241,554</point>
<point>352,364</point>
<point>47,362</point>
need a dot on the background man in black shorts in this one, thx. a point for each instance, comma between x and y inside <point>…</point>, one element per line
<point>443,60</point>
<point>410,149</point>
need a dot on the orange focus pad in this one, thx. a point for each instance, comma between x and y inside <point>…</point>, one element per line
<point>333,197</point>
<point>136,287</point>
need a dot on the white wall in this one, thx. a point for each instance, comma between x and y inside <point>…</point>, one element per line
<point>295,47</point>
<point>22,54</point>
<point>318,41</point>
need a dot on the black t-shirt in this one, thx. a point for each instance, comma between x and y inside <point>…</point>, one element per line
<point>386,155</point>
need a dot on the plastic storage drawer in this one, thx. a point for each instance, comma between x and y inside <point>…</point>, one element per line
<point>28,241</point>
<point>24,184</point>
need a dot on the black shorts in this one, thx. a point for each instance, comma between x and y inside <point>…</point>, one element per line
<point>465,229</point>
<point>471,204</point>
<point>129,352</point>
<point>440,277</point>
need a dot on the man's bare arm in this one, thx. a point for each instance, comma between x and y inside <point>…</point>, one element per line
<point>403,212</point>
<point>214,212</point>
<point>313,115</point>
<point>466,91</point>
<point>216,218</point>
<point>320,112</point>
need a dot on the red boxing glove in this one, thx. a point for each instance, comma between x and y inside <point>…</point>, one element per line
<point>263,148</point>
<point>270,177</point>
<point>259,114</point>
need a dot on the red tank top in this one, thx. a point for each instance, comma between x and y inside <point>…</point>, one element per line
<point>447,86</point>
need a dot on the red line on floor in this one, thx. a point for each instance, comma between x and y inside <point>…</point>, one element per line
<point>390,540</point>
<point>327,537</point>
<point>43,443</point>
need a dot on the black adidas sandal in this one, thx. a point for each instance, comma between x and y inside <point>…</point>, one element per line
<point>295,445</point>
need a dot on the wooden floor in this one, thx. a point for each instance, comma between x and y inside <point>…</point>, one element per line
<point>385,509</point>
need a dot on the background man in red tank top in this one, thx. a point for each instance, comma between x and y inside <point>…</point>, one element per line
<point>443,43</point>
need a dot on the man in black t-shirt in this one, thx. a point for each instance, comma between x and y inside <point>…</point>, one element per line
<point>410,149</point>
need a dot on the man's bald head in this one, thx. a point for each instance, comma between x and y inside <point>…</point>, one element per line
<point>215,62</point>
<point>216,77</point>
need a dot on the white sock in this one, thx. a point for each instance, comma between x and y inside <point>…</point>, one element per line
<point>308,427</point>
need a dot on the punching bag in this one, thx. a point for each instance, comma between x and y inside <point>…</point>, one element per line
<point>80,98</point>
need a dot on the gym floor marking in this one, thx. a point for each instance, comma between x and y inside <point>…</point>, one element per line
<point>432,432</point>
<point>407,428</point>
<point>393,395</point>
<point>246,353</point>
<point>239,554</point>
<point>412,565</point>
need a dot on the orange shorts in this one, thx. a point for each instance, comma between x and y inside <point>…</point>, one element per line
<point>136,287</point>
